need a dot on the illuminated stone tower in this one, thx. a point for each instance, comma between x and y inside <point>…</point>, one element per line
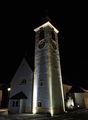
<point>48,90</point>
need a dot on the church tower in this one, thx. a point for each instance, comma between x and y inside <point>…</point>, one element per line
<point>47,89</point>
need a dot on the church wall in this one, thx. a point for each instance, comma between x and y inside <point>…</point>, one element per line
<point>22,81</point>
<point>12,106</point>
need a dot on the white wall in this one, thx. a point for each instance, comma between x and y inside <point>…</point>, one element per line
<point>24,72</point>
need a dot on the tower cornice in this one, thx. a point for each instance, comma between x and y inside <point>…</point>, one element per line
<point>45,25</point>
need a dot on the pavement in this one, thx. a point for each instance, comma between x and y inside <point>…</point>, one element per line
<point>81,114</point>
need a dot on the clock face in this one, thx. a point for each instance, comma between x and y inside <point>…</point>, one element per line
<point>53,45</point>
<point>41,44</point>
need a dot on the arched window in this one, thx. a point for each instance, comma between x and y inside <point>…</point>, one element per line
<point>41,34</point>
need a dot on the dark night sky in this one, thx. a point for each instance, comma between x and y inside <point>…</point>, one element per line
<point>17,21</point>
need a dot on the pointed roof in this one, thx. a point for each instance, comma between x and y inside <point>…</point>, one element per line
<point>25,60</point>
<point>45,21</point>
<point>46,24</point>
<point>29,58</point>
<point>19,95</point>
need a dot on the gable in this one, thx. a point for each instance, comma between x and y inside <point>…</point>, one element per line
<point>23,70</point>
<point>22,78</point>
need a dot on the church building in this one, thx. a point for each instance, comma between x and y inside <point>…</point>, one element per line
<point>41,90</point>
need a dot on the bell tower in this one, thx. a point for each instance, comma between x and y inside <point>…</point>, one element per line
<point>47,88</point>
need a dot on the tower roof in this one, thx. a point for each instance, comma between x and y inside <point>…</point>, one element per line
<point>45,19</point>
<point>46,22</point>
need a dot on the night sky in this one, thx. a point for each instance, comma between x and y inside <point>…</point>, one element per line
<point>17,21</point>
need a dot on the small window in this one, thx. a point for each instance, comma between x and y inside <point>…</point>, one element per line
<point>41,83</point>
<point>39,104</point>
<point>16,103</point>
<point>41,34</point>
<point>21,82</point>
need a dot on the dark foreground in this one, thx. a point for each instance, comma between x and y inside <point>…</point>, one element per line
<point>74,115</point>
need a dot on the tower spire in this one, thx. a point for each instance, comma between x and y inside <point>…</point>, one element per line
<point>45,17</point>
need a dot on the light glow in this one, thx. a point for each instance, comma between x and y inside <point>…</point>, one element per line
<point>46,24</point>
<point>70,103</point>
<point>61,87</point>
<point>77,105</point>
<point>50,89</point>
<point>9,89</point>
<point>35,95</point>
<point>51,101</point>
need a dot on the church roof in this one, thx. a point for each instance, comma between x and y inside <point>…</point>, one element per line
<point>19,95</point>
<point>29,56</point>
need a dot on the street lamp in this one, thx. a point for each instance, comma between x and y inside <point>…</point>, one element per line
<point>9,89</point>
